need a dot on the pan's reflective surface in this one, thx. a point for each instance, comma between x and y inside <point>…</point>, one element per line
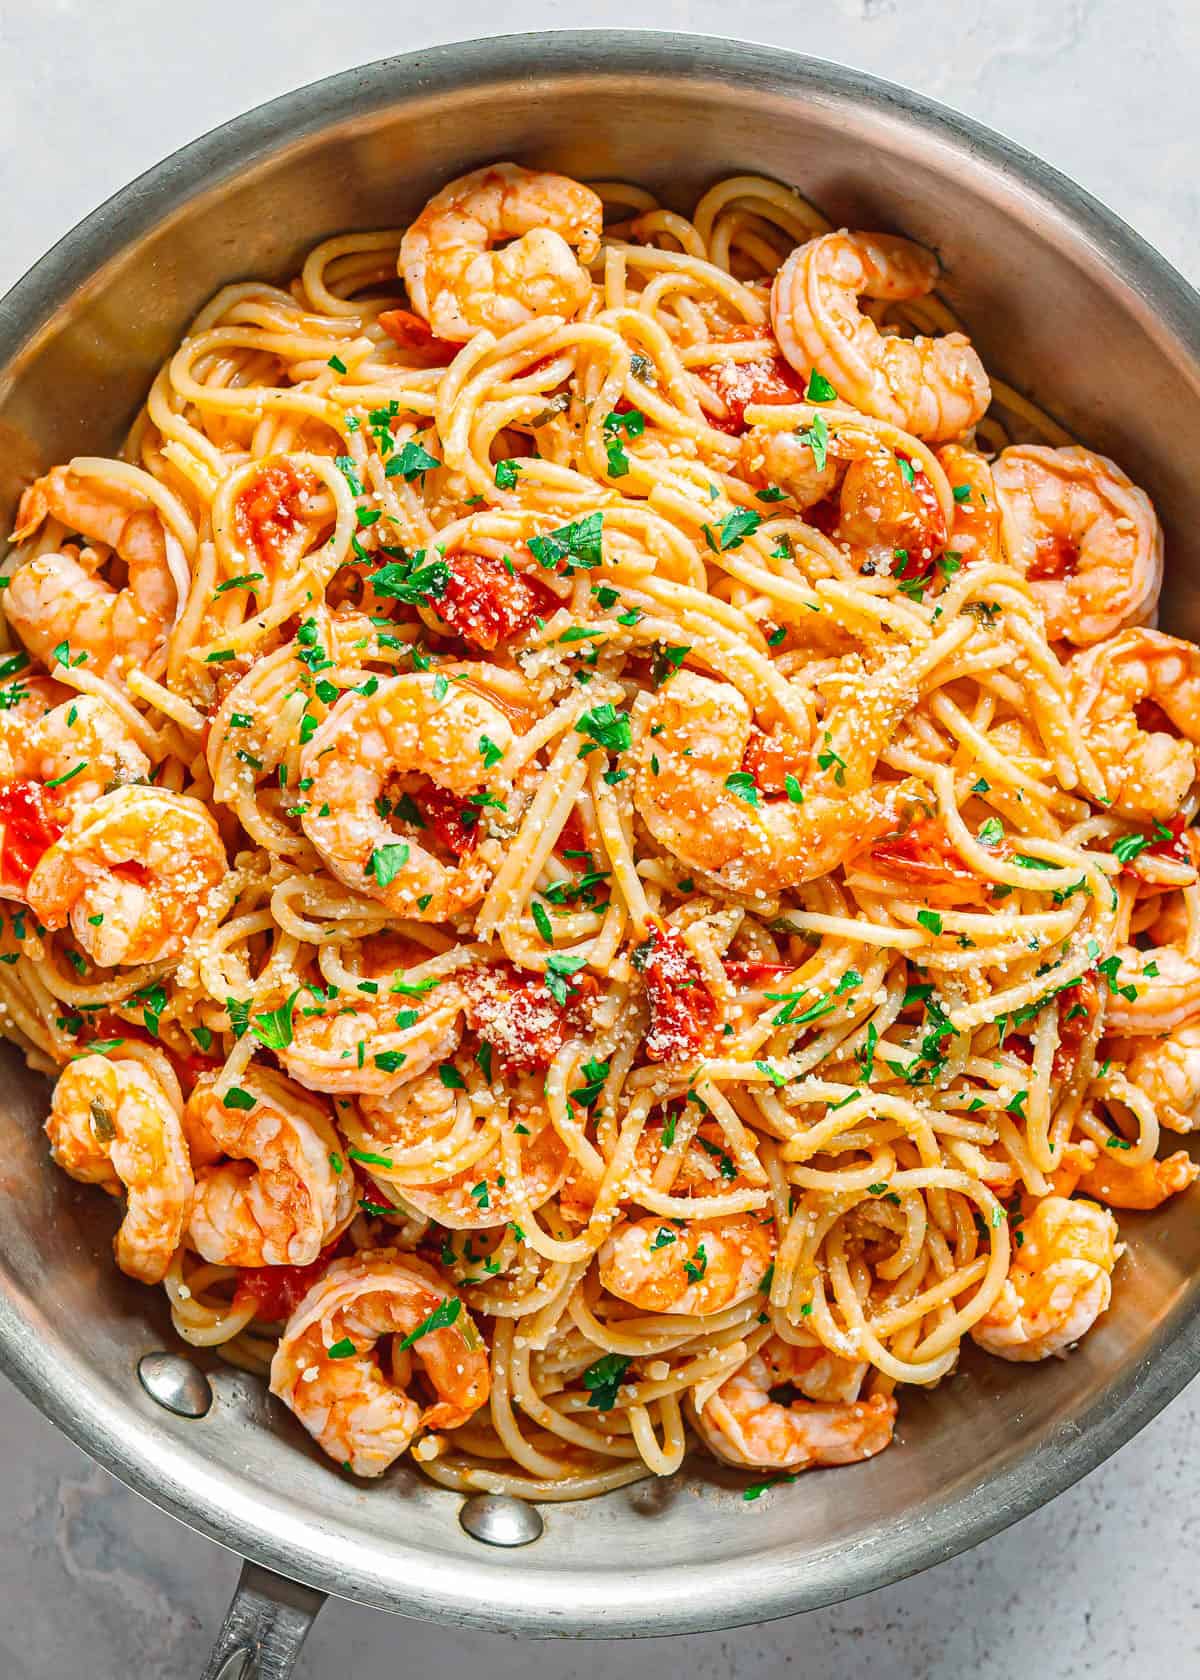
<point>1062,301</point>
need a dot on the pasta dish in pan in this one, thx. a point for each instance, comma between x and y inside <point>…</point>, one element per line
<point>598,841</point>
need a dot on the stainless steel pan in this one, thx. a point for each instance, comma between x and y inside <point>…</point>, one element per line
<point>1064,300</point>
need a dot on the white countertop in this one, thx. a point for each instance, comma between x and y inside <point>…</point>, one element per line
<point>93,1582</point>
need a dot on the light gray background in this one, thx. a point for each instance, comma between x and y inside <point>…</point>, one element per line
<point>95,1583</point>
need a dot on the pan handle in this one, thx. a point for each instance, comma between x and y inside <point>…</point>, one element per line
<point>264,1628</point>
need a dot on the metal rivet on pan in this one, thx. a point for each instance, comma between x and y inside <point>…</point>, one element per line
<point>175,1383</point>
<point>498,1520</point>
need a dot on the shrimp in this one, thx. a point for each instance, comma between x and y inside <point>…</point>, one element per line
<point>933,387</point>
<point>689,741</point>
<point>24,702</point>
<point>112,1123</point>
<point>1058,1285</point>
<point>1084,535</point>
<point>27,825</point>
<point>744,1426</point>
<point>888,511</point>
<point>324,1367</point>
<point>460,283</point>
<point>279,1200</point>
<point>55,759</point>
<point>1169,926</point>
<point>480,1196</point>
<point>1147,1185</point>
<point>1147,772</point>
<point>56,598</point>
<point>815,1371</point>
<point>1167,1069</point>
<point>977,534</point>
<point>409,723</point>
<point>1153,991</point>
<point>783,458</point>
<point>889,514</point>
<point>130,874</point>
<point>82,745</point>
<point>701,1268</point>
<point>370,1044</point>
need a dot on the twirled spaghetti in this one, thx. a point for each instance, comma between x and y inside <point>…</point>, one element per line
<point>590,839</point>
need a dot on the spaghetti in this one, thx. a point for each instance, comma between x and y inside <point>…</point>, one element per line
<point>599,851</point>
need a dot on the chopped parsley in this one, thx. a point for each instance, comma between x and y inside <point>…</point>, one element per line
<point>815,1011</point>
<point>757,1489</point>
<point>632,424</point>
<point>1130,846</point>
<point>441,1318</point>
<point>1110,968</point>
<point>410,462</point>
<point>816,437</point>
<point>411,580</point>
<point>369,1160</point>
<point>349,471</point>
<point>819,390</point>
<point>733,530</point>
<point>577,544</point>
<point>603,1379</point>
<point>386,862</point>
<point>827,759</point>
<point>666,661</point>
<point>595,1073</point>
<point>274,1028</point>
<point>742,783</point>
<point>560,965</point>
<point>606,727</point>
